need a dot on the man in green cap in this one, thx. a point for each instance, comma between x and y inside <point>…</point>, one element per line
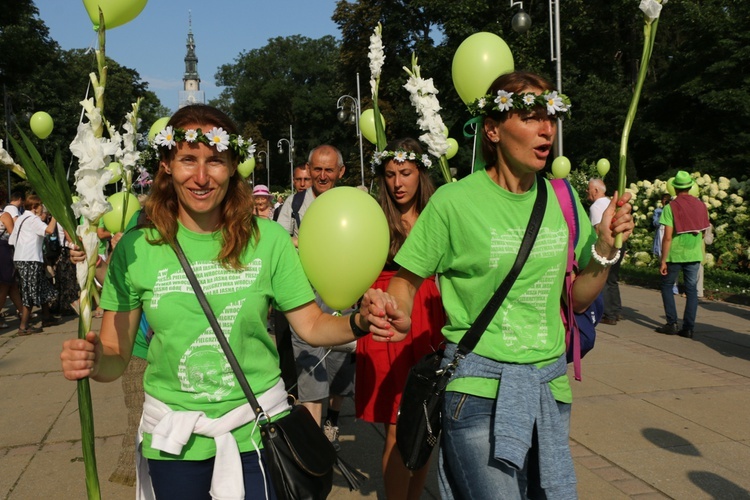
<point>685,220</point>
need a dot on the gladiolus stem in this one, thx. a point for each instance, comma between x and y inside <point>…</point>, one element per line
<point>649,33</point>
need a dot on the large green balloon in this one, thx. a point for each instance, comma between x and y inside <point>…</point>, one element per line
<point>343,244</point>
<point>116,12</point>
<point>367,125</point>
<point>157,127</point>
<point>113,219</point>
<point>670,187</point>
<point>41,124</point>
<point>480,59</point>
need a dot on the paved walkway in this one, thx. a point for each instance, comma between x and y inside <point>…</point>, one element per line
<point>656,416</point>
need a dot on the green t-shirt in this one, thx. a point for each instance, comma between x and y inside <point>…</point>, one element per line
<point>187,369</point>
<point>469,234</point>
<point>686,247</point>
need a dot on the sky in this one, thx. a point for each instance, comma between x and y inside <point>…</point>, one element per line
<point>154,43</point>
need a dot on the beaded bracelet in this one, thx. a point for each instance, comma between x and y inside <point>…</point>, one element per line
<point>356,330</point>
<point>601,260</point>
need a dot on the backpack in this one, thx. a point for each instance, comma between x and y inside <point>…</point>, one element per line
<point>580,328</point>
<point>297,201</point>
<point>51,248</point>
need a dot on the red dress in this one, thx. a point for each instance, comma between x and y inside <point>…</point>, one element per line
<point>382,367</point>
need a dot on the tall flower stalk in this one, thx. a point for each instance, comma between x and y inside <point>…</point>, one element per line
<point>376,56</point>
<point>423,96</point>
<point>651,11</point>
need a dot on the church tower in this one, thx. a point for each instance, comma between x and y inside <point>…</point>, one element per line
<point>192,93</point>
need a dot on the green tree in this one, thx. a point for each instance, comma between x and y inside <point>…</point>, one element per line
<point>289,81</point>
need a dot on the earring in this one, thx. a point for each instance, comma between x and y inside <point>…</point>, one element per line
<point>496,140</point>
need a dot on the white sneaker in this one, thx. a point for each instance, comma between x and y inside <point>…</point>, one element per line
<point>332,433</point>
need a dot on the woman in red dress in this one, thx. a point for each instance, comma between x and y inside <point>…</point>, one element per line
<point>382,368</point>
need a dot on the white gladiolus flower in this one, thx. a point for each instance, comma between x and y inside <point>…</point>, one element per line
<point>651,9</point>
<point>376,57</point>
<point>92,152</point>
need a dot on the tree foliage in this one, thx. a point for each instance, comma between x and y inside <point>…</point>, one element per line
<point>38,75</point>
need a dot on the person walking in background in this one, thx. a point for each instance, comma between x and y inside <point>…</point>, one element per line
<point>8,276</point>
<point>28,239</point>
<point>382,368</point>
<point>596,194</point>
<point>685,220</point>
<point>469,234</point>
<point>659,232</point>
<point>262,198</point>
<point>322,374</point>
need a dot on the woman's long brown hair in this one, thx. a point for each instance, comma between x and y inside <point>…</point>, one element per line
<point>237,222</point>
<point>398,231</point>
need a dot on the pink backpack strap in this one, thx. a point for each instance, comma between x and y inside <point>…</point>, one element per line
<point>564,193</point>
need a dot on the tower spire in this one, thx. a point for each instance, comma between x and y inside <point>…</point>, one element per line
<point>192,93</point>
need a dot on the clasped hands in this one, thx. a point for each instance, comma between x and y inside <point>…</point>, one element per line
<point>386,321</point>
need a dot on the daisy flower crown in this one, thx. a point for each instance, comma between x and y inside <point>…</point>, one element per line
<point>555,103</point>
<point>400,156</point>
<point>217,137</point>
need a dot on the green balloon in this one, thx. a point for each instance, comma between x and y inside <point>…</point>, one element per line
<point>452,148</point>
<point>602,166</point>
<point>41,124</point>
<point>344,228</point>
<point>478,61</point>
<point>670,187</point>
<point>560,167</point>
<point>246,167</point>
<point>116,168</point>
<point>157,127</point>
<point>367,125</point>
<point>113,219</point>
<point>116,12</point>
<point>695,190</point>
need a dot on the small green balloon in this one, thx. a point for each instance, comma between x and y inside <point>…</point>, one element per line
<point>452,148</point>
<point>602,166</point>
<point>116,169</point>
<point>246,167</point>
<point>113,219</point>
<point>157,127</point>
<point>367,125</point>
<point>670,187</point>
<point>560,167</point>
<point>695,190</point>
<point>41,124</point>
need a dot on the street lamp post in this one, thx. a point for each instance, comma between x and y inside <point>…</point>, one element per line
<point>267,163</point>
<point>352,116</point>
<point>9,120</point>
<point>521,23</point>
<point>290,147</point>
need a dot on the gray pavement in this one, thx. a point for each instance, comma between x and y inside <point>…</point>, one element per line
<point>655,416</point>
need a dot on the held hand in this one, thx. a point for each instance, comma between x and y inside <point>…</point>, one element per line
<point>616,219</point>
<point>80,357</point>
<point>77,255</point>
<point>386,321</point>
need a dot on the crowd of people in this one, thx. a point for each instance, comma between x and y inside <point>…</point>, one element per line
<point>446,258</point>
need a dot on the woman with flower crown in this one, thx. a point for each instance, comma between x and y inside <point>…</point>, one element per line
<point>469,235</point>
<point>405,188</point>
<point>244,263</point>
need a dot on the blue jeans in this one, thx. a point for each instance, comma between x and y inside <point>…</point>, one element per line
<point>690,276</point>
<point>191,480</point>
<point>467,467</point>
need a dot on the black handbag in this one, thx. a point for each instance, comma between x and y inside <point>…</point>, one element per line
<point>297,452</point>
<point>418,424</point>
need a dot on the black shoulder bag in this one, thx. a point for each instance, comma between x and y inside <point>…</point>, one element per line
<point>419,423</point>
<point>298,453</point>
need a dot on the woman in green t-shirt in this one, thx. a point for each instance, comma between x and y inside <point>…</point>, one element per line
<point>244,264</point>
<point>469,234</point>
